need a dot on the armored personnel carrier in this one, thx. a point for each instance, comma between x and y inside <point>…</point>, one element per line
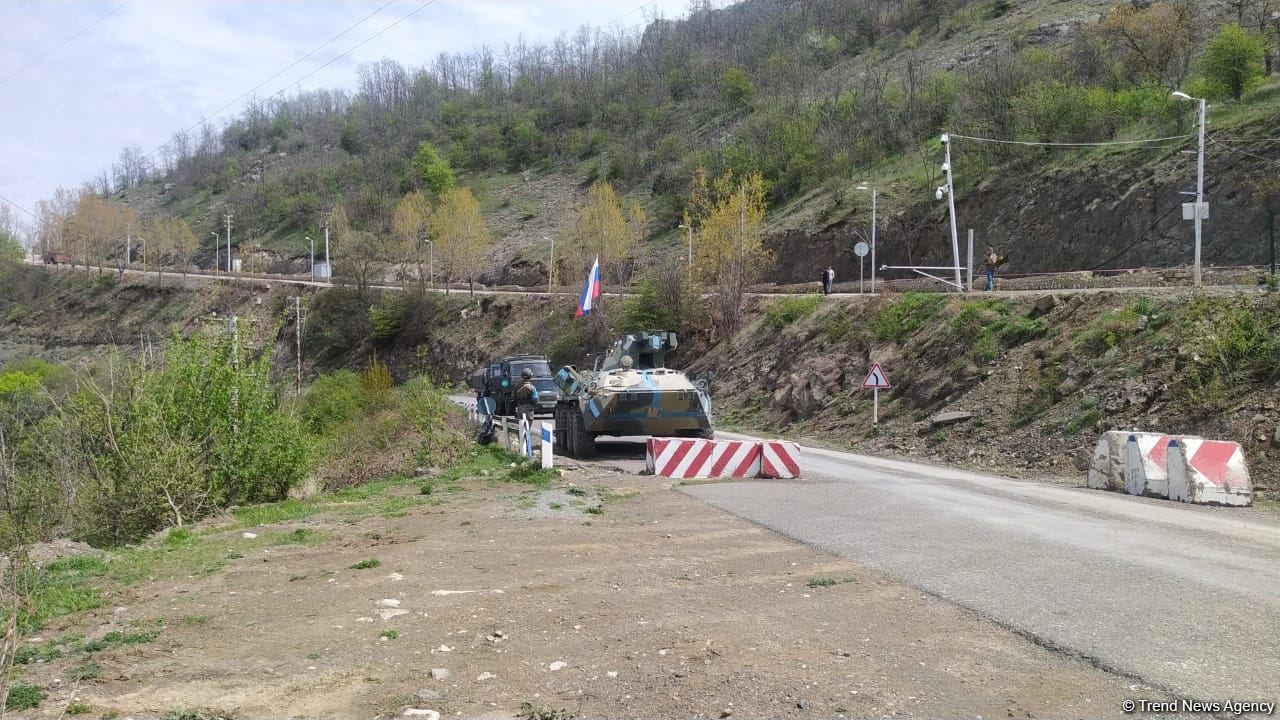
<point>631,391</point>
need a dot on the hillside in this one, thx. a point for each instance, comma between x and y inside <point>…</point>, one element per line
<point>816,96</point>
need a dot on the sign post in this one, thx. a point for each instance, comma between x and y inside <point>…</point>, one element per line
<point>861,250</point>
<point>876,380</point>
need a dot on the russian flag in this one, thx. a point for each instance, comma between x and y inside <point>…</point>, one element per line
<point>590,291</point>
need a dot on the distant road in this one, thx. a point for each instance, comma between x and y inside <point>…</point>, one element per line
<point>303,281</point>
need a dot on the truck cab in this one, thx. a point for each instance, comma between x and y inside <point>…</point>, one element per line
<point>499,380</point>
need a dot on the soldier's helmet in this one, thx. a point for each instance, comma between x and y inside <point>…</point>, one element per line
<point>627,362</point>
<point>526,374</point>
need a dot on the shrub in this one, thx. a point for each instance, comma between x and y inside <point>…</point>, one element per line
<point>736,87</point>
<point>901,318</point>
<point>791,309</point>
<point>24,696</point>
<point>333,399</point>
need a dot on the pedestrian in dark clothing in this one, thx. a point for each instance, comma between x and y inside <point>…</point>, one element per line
<point>828,280</point>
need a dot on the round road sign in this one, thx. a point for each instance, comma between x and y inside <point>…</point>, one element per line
<point>861,249</point>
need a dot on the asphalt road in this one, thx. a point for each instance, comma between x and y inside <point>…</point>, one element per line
<point>1185,599</point>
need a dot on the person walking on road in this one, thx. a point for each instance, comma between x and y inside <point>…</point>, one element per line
<point>828,280</point>
<point>526,396</point>
<point>990,262</point>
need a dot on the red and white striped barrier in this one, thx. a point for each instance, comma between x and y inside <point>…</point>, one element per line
<point>779,459</point>
<point>1200,471</point>
<point>1208,472</point>
<point>695,458</point>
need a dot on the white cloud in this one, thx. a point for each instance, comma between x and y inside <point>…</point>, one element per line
<point>157,66</point>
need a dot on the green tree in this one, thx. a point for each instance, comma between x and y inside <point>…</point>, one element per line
<point>1233,60</point>
<point>736,87</point>
<point>462,238</point>
<point>432,169</point>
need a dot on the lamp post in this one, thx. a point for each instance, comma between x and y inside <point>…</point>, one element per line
<point>950,191</point>
<point>217,254</point>
<point>688,232</point>
<point>311,258</point>
<point>874,194</point>
<point>328,269</point>
<point>1201,209</point>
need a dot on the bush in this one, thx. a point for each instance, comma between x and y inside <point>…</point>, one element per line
<point>24,696</point>
<point>736,87</point>
<point>789,310</point>
<point>332,400</point>
<point>901,318</point>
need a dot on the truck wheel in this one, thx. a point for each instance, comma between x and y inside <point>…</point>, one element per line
<point>584,444</point>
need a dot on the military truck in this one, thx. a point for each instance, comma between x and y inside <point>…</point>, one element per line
<point>630,391</point>
<point>500,378</point>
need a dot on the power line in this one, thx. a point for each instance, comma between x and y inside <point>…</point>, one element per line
<point>336,58</point>
<point>33,215</point>
<point>1242,152</point>
<point>64,43</point>
<point>286,69</point>
<point>1071,145</point>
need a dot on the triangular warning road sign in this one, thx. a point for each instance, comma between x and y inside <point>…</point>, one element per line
<point>876,379</point>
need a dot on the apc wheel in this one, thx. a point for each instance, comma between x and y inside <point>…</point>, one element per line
<point>584,444</point>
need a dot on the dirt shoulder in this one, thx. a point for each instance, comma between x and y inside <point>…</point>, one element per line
<point>657,606</point>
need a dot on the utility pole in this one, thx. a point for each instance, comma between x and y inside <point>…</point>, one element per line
<point>297,338</point>
<point>874,195</point>
<point>551,264</point>
<point>1201,209</point>
<point>311,267</point>
<point>217,254</point>
<point>1200,191</point>
<point>229,265</point>
<point>328,268</point>
<point>951,202</point>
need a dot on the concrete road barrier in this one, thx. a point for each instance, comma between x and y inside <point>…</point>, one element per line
<point>694,458</point>
<point>779,459</point>
<point>1208,472</point>
<point>1201,471</point>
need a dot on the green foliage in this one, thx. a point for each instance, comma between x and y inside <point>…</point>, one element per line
<point>646,310</point>
<point>75,707</point>
<point>901,318</point>
<point>136,447</point>
<point>116,639</point>
<point>736,87</point>
<point>821,582</point>
<point>368,564</point>
<point>1232,346</point>
<point>786,311</point>
<point>11,251</point>
<point>432,169</point>
<point>531,473</point>
<point>1233,61</point>
<point>24,696</point>
<point>389,634</point>
<point>332,400</point>
<point>59,588</point>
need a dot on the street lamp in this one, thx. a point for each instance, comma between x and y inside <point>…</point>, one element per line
<point>874,193</point>
<point>688,232</point>
<point>431,264</point>
<point>950,191</point>
<point>217,254</point>
<point>1201,208</point>
<point>311,268</point>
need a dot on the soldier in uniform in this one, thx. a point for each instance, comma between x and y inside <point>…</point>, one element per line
<point>526,396</point>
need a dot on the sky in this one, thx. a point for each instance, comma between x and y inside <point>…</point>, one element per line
<point>82,79</point>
